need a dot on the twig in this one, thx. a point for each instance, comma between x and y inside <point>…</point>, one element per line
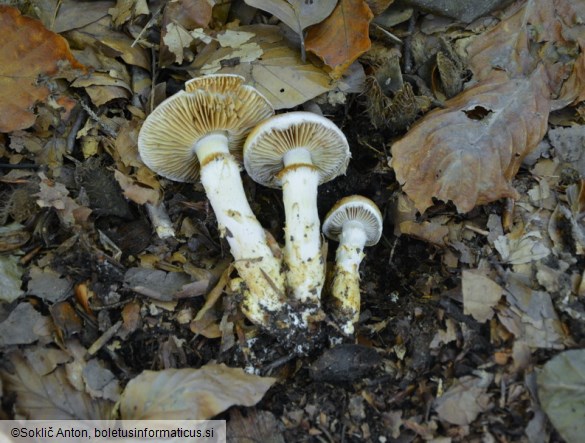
<point>104,338</point>
<point>79,119</point>
<point>148,24</point>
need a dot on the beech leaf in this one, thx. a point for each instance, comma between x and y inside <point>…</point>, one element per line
<point>296,14</point>
<point>342,37</point>
<point>50,396</point>
<point>532,33</point>
<point>268,64</point>
<point>561,390</point>
<point>470,151</point>
<point>190,394</point>
<point>28,52</point>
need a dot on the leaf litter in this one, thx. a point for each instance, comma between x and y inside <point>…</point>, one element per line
<point>116,284</point>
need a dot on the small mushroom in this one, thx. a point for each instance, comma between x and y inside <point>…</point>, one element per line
<point>201,133</point>
<point>354,222</point>
<point>298,151</point>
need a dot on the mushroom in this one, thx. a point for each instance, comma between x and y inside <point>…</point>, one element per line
<point>201,132</point>
<point>298,151</point>
<point>354,222</point>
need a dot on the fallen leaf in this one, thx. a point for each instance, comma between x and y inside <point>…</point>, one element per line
<point>342,37</point>
<point>534,32</point>
<point>107,41</point>
<point>561,385</point>
<point>277,71</point>
<point>157,284</point>
<point>525,249</point>
<point>51,396</point>
<point>180,17</point>
<point>465,400</point>
<point>190,394</point>
<point>48,285</point>
<point>134,191</point>
<point>100,382</point>
<point>531,316</point>
<point>480,295</point>
<point>63,15</point>
<point>10,278</point>
<point>176,38</point>
<point>29,52</point>
<point>296,14</point>
<point>444,336</point>
<point>569,144</point>
<point>468,153</point>
<point>23,326</point>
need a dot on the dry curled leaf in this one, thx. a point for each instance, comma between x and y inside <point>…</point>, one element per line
<point>190,394</point>
<point>50,396</point>
<point>470,151</point>
<point>532,33</point>
<point>342,37</point>
<point>268,64</point>
<point>297,14</point>
<point>30,55</point>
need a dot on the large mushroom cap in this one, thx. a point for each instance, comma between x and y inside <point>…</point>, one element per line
<point>268,142</point>
<point>221,104</point>
<point>357,209</point>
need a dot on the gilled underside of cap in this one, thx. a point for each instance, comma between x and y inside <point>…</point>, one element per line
<point>168,136</point>
<point>360,210</point>
<point>215,83</point>
<point>263,155</point>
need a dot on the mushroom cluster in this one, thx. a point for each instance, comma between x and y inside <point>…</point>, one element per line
<point>204,133</point>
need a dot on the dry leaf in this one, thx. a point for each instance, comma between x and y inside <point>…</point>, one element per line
<point>465,400</point>
<point>24,325</point>
<point>469,152</point>
<point>63,15</point>
<point>135,192</point>
<point>10,278</point>
<point>521,250</point>
<point>271,66</point>
<point>537,31</point>
<point>480,295</point>
<point>560,390</point>
<point>28,51</point>
<point>179,18</point>
<point>342,37</point>
<point>190,394</point>
<point>51,396</point>
<point>296,14</point>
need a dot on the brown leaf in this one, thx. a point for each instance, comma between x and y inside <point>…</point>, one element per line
<point>190,394</point>
<point>537,31</point>
<point>51,396</point>
<point>28,52</point>
<point>465,400</point>
<point>181,16</point>
<point>297,14</point>
<point>342,37</point>
<point>275,69</point>
<point>469,152</point>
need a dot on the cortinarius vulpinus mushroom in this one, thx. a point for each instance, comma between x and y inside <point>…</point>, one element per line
<point>354,222</point>
<point>298,151</point>
<point>201,133</point>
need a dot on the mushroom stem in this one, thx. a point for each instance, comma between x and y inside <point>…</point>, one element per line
<point>302,253</point>
<point>345,288</point>
<point>254,260</point>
